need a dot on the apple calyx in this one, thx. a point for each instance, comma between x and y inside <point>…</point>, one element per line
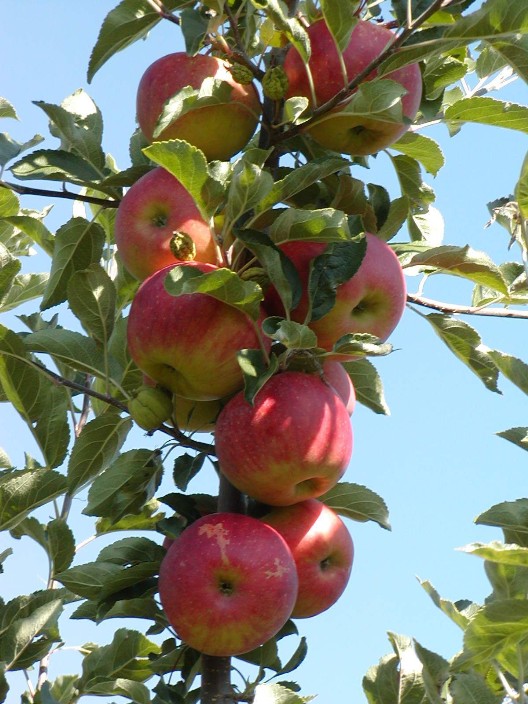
<point>150,407</point>
<point>275,83</point>
<point>182,246</point>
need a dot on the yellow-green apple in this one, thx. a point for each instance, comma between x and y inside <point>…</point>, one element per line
<point>293,443</point>
<point>335,374</point>
<point>196,416</point>
<point>323,551</point>
<point>227,584</point>
<point>343,132</point>
<point>150,406</point>
<point>220,130</point>
<point>189,343</point>
<point>158,223</point>
<point>372,301</point>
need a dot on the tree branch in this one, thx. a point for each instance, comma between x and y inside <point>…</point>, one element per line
<point>466,310</point>
<point>162,11</point>
<point>69,195</point>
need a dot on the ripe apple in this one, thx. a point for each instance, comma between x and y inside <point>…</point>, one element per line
<point>322,549</point>
<point>372,301</point>
<point>293,443</point>
<point>219,130</point>
<point>346,133</point>
<point>155,211</point>
<point>228,584</point>
<point>188,344</point>
<point>335,374</point>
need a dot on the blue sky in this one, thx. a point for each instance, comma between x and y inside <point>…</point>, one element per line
<point>436,460</point>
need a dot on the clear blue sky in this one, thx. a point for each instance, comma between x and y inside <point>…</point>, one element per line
<point>435,460</point>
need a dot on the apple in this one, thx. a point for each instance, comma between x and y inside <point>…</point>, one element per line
<point>335,374</point>
<point>219,130</point>
<point>346,133</point>
<point>189,343</point>
<point>196,416</point>
<point>227,584</point>
<point>372,301</point>
<point>158,223</point>
<point>322,549</point>
<point>293,443</point>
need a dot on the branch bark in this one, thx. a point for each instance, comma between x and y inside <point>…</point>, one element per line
<point>69,195</point>
<point>466,310</point>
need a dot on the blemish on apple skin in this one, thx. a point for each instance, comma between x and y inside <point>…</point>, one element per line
<point>220,534</point>
<point>278,571</point>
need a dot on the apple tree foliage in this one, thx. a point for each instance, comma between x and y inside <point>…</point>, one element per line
<point>72,386</point>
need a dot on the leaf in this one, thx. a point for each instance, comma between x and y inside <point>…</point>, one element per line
<point>52,429</point>
<point>411,183</point>
<point>7,110</point>
<point>250,184</point>
<point>340,18</point>
<point>256,371</point>
<point>461,261</point>
<point>146,519</point>
<point>186,467</point>
<point>9,268</point>
<point>61,544</point>
<point>277,694</point>
<point>126,485</point>
<point>277,10</point>
<point>360,344</point>
<point>92,298</point>
<point>358,503</point>
<point>513,368</point>
<point>23,490</point>
<point>489,111</point>
<point>411,686</point>
<point>466,344</point>
<point>325,225</point>
<point>471,688</point>
<point>512,517</point>
<point>97,445</point>
<point>25,288</point>
<point>74,349</point>
<point>78,243</point>
<point>457,612</point>
<point>502,553</point>
<point>399,210</point>
<point>186,163</point>
<point>56,165</point>
<point>125,24</point>
<point>424,149</point>
<point>381,682</point>
<point>223,284</point>
<point>23,631</point>
<point>519,436</point>
<point>367,385</point>
<point>496,626</point>
<point>291,334</point>
<point>10,148</point>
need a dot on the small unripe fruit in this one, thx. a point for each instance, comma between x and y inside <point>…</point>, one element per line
<point>275,83</point>
<point>242,74</point>
<point>150,407</point>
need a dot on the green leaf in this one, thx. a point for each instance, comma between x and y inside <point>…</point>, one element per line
<point>368,385</point>
<point>411,183</point>
<point>278,12</point>
<point>77,122</point>
<point>61,543</point>
<point>471,688</point>
<point>398,213</point>
<point>78,244</point>
<point>223,284</point>
<point>24,288</point>
<point>358,503</point>
<point>277,694</point>
<point>512,517</point>
<point>7,110</point>
<point>92,298</point>
<point>125,486</point>
<point>489,111</point>
<point>340,18</point>
<point>513,368</point>
<point>502,553</point>
<point>325,225</point>
<point>519,436</point>
<point>23,490</point>
<point>466,344</point>
<point>186,163</point>
<point>194,26</point>
<point>461,261</point>
<point>411,685</point>
<point>250,184</point>
<point>21,633</point>
<point>74,349</point>
<point>291,334</point>
<point>381,683</point>
<point>521,189</point>
<point>459,612</point>
<point>256,371</point>
<point>33,227</point>
<point>361,344</point>
<point>424,149</point>
<point>186,467</point>
<point>56,165</point>
<point>496,627</point>
<point>52,429</point>
<point>125,24</point>
<point>146,519</point>
<point>97,445</point>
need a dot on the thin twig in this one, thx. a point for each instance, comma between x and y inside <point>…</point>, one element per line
<point>466,310</point>
<point>162,11</point>
<point>69,195</point>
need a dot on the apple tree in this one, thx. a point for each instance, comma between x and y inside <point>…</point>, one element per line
<point>229,292</point>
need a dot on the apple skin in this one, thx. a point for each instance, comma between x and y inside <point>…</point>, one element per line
<point>294,443</point>
<point>152,210</point>
<point>349,134</point>
<point>188,344</point>
<point>228,584</point>
<point>220,131</point>
<point>335,374</point>
<point>196,416</point>
<point>372,301</point>
<point>323,551</point>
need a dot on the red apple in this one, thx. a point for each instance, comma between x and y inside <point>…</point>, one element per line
<point>346,133</point>
<point>292,444</point>
<point>372,301</point>
<point>322,549</point>
<point>228,584</point>
<point>219,130</point>
<point>188,344</point>
<point>153,211</point>
<point>335,375</point>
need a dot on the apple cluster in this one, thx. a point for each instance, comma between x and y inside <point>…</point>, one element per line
<point>230,581</point>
